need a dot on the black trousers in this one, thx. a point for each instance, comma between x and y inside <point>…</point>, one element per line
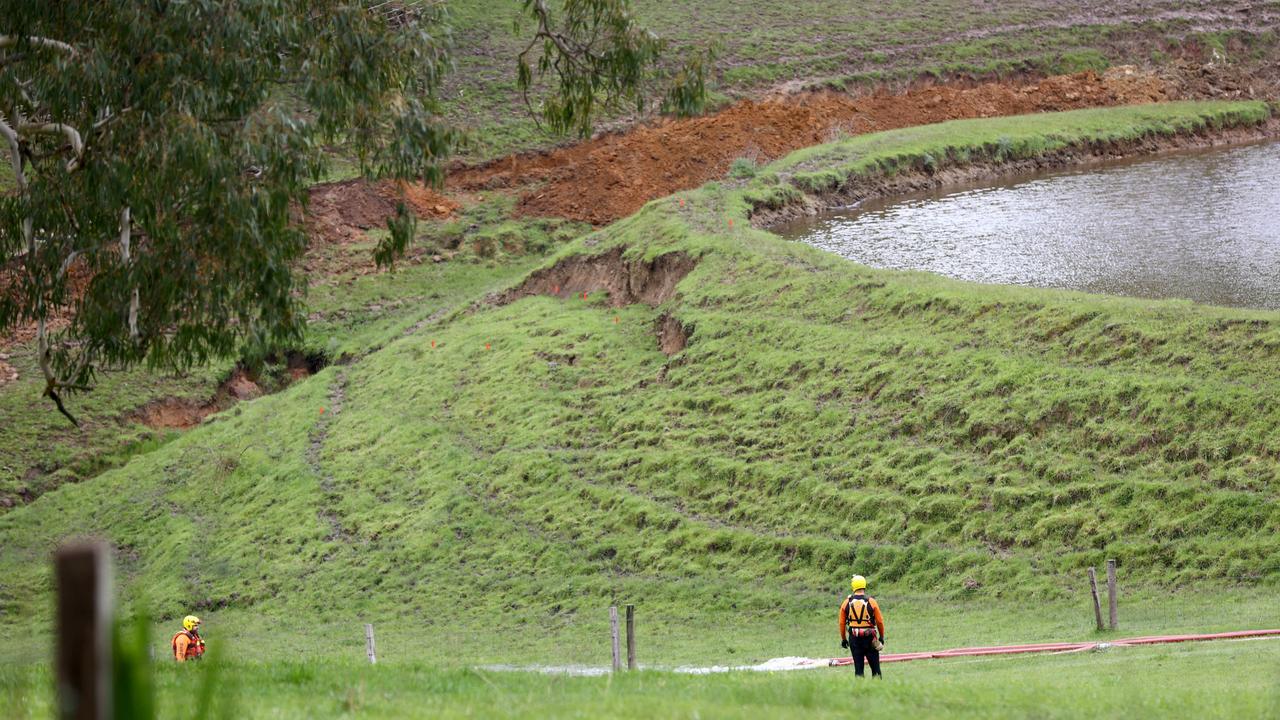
<point>864,653</point>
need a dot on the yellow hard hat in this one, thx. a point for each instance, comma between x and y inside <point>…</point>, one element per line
<point>858,583</point>
<point>190,622</point>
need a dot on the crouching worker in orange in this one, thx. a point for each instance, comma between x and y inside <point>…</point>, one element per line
<point>862,627</point>
<point>187,643</point>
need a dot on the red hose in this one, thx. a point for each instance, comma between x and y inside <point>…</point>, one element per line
<point>1060,647</point>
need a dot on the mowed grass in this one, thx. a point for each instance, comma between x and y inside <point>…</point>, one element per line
<point>1231,680</point>
<point>483,487</point>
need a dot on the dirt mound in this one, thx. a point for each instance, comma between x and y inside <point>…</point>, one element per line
<point>341,212</point>
<point>673,336</point>
<point>182,413</point>
<point>280,371</point>
<point>173,413</point>
<point>612,176</point>
<point>651,282</point>
<point>1220,81</point>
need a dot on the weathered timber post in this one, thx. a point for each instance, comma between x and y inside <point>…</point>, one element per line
<point>368,644</point>
<point>1093,590</point>
<point>631,637</point>
<point>1111,593</point>
<point>613,629</point>
<point>83,575</point>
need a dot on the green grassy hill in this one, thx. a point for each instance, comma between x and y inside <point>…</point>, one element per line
<point>489,479</point>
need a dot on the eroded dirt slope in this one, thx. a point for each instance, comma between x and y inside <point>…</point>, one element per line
<point>612,176</point>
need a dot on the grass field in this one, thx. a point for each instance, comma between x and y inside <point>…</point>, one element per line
<point>1235,679</point>
<point>481,481</point>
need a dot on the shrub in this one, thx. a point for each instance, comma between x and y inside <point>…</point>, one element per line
<point>743,169</point>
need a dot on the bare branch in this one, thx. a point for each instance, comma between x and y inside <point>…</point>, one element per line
<point>15,154</point>
<point>126,236</point>
<point>67,262</point>
<point>8,41</point>
<point>20,177</point>
<point>52,394</point>
<point>52,128</point>
<point>51,384</point>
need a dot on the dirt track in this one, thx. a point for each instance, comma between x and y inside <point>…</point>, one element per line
<point>612,176</point>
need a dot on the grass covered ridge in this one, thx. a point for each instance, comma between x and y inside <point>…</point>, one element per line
<point>828,168</point>
<point>495,479</point>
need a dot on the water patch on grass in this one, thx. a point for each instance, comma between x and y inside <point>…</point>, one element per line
<point>773,665</point>
<point>569,670</point>
<point>779,664</point>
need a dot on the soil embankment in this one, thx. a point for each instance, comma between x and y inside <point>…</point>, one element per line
<point>341,212</point>
<point>612,176</point>
<point>877,185</point>
<point>626,281</point>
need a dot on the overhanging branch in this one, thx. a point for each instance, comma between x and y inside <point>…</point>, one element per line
<point>8,41</point>
<point>52,128</point>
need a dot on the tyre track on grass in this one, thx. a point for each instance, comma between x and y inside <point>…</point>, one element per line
<point>328,495</point>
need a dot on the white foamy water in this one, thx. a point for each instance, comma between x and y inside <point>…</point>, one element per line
<point>774,665</point>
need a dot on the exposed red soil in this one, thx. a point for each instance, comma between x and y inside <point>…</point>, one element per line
<point>78,277</point>
<point>341,212</point>
<point>174,414</point>
<point>651,282</point>
<point>181,414</point>
<point>612,176</point>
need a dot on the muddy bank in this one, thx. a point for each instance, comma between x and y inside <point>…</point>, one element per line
<point>626,282</point>
<point>613,176</point>
<point>170,413</point>
<point>673,335</point>
<point>865,187</point>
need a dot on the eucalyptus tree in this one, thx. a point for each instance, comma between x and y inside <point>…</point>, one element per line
<point>159,150</point>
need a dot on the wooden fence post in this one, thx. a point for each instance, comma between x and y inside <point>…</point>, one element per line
<point>631,637</point>
<point>1097,604</point>
<point>1111,593</point>
<point>368,644</point>
<point>613,629</point>
<point>83,576</point>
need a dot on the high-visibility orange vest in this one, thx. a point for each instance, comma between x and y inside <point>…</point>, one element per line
<point>195,648</point>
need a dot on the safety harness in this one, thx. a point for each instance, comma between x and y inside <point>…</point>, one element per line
<point>195,649</point>
<point>860,618</point>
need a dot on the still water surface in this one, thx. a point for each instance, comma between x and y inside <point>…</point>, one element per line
<point>1202,225</point>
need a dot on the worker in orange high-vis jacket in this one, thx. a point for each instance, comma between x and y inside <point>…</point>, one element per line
<point>187,643</point>
<point>862,627</point>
